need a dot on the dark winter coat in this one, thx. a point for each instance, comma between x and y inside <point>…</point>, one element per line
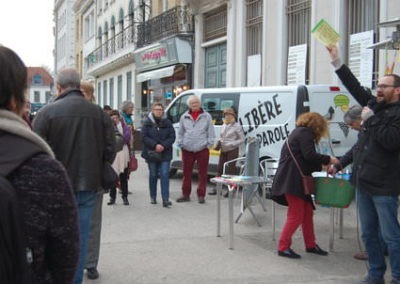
<point>81,135</point>
<point>376,155</point>
<point>45,200</point>
<point>287,179</point>
<point>362,95</point>
<point>376,161</point>
<point>158,133</point>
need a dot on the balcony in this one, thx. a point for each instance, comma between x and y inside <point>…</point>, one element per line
<point>114,48</point>
<point>175,21</point>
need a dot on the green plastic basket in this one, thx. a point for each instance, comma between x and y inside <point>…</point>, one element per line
<point>333,192</point>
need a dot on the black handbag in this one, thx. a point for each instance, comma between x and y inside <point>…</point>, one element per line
<point>307,181</point>
<point>154,156</point>
<point>110,177</point>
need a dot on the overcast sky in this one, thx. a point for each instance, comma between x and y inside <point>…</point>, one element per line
<point>26,26</point>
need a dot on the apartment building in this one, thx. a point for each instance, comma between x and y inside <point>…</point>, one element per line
<point>39,85</point>
<point>64,31</point>
<point>269,42</point>
<point>151,50</point>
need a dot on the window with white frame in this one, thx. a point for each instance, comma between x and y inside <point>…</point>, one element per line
<point>362,28</point>
<point>89,26</point>
<point>254,20</point>
<point>215,23</point>
<point>362,15</point>
<point>298,14</point>
<point>36,97</point>
<point>299,21</point>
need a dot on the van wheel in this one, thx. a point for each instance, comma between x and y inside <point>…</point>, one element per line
<point>172,172</point>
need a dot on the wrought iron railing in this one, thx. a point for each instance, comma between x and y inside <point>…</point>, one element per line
<point>175,21</point>
<point>118,42</point>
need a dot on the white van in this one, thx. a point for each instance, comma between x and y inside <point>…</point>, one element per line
<point>269,113</point>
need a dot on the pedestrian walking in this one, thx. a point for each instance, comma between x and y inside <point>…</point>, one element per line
<point>82,138</point>
<point>41,193</point>
<point>121,162</point>
<point>93,254</point>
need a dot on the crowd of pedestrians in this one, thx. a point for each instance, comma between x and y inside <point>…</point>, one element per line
<point>56,163</point>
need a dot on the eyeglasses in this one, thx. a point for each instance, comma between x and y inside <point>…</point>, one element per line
<point>384,86</point>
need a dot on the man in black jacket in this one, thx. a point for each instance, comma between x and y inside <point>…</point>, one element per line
<point>82,138</point>
<point>376,168</point>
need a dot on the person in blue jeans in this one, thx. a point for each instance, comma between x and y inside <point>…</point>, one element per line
<point>376,166</point>
<point>82,137</point>
<point>158,136</point>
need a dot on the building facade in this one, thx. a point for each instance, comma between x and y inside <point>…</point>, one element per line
<point>269,42</point>
<point>40,85</point>
<point>64,34</point>
<point>151,50</point>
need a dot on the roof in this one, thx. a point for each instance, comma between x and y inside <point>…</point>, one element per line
<point>46,79</point>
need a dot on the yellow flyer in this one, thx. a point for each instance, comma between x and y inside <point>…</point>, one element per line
<point>325,33</point>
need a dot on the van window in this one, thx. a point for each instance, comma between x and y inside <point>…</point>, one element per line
<point>180,107</point>
<point>215,104</point>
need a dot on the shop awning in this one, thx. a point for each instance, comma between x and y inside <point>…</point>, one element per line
<point>155,74</point>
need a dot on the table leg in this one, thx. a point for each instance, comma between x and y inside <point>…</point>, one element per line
<point>230,217</point>
<point>219,192</point>
<point>332,228</point>
<point>341,223</point>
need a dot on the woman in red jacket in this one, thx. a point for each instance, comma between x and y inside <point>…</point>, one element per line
<point>287,188</point>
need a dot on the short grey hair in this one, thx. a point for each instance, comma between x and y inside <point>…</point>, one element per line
<point>68,78</point>
<point>191,98</point>
<point>125,105</point>
<point>353,114</point>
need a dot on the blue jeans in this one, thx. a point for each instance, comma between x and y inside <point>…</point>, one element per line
<point>159,169</point>
<point>86,201</point>
<point>379,212</point>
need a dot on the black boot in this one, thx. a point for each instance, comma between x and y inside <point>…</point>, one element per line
<point>111,202</point>
<point>125,200</point>
<point>166,203</point>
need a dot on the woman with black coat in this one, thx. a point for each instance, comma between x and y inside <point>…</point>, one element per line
<point>158,136</point>
<point>287,187</point>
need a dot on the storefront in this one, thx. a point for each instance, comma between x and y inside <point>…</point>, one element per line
<point>163,71</point>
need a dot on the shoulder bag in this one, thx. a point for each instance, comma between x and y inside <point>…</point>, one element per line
<point>307,181</point>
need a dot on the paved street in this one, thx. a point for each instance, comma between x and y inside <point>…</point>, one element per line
<point>145,243</point>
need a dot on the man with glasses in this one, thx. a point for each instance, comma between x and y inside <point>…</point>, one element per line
<point>376,168</point>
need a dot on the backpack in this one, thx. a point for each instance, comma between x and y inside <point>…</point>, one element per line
<point>13,250</point>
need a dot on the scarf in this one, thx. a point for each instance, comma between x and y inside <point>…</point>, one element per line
<point>127,118</point>
<point>14,124</point>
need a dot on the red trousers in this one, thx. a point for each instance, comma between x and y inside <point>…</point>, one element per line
<point>300,212</point>
<point>188,159</point>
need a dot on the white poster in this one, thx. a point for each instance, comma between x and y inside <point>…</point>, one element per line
<point>254,70</point>
<point>361,58</point>
<point>297,59</point>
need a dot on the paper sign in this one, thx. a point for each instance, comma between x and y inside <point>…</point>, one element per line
<point>325,33</point>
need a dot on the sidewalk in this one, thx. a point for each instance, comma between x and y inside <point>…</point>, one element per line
<point>145,243</point>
